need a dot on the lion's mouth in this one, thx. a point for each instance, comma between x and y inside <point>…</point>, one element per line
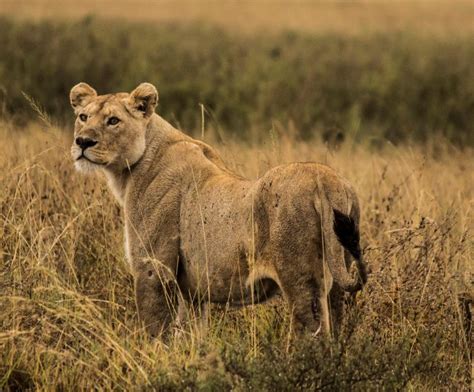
<point>82,156</point>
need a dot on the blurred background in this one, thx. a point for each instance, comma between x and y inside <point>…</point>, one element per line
<point>388,84</point>
<point>369,70</point>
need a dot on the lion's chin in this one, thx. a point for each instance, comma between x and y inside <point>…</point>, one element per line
<point>85,166</point>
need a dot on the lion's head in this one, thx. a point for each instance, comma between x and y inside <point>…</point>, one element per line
<point>110,129</point>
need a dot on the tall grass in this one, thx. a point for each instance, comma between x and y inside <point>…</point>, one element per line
<point>396,86</point>
<point>68,318</point>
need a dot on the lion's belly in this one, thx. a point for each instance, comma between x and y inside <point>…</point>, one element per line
<point>218,270</point>
<point>215,243</point>
<point>216,281</point>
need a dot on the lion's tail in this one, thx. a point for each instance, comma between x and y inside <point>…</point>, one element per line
<point>340,229</point>
<point>347,233</point>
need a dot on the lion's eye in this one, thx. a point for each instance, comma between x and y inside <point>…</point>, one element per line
<point>113,121</point>
<point>83,117</point>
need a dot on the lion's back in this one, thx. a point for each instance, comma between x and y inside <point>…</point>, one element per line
<point>295,190</point>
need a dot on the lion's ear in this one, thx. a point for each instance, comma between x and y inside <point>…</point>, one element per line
<point>144,99</point>
<point>81,94</point>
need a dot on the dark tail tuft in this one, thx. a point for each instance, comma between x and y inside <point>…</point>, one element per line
<point>347,233</point>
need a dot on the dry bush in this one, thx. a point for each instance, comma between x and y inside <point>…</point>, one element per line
<point>67,313</point>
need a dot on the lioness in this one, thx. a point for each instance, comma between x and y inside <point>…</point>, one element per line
<point>198,231</point>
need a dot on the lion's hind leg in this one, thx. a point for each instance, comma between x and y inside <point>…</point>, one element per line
<point>337,302</point>
<point>305,297</point>
<point>192,316</point>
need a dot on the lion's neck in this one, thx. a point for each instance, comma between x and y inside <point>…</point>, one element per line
<point>158,134</point>
<point>118,184</point>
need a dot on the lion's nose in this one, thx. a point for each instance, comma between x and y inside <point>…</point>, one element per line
<point>85,142</point>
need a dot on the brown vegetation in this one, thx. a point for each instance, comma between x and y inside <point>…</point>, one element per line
<point>69,319</point>
<point>439,17</point>
<point>356,73</point>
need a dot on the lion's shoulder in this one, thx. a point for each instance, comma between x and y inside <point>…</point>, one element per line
<point>204,153</point>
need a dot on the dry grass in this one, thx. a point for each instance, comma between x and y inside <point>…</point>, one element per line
<point>440,17</point>
<point>67,314</point>
<point>68,319</point>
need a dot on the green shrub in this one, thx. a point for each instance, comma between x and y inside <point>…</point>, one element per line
<point>398,86</point>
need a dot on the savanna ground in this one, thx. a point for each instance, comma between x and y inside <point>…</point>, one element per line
<point>376,91</point>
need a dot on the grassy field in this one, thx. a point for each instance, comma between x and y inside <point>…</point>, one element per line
<point>67,312</point>
<point>383,91</point>
<point>431,17</point>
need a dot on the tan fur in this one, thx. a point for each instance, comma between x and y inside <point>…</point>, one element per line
<point>195,229</point>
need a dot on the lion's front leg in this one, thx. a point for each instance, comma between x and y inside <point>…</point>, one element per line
<point>156,291</point>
